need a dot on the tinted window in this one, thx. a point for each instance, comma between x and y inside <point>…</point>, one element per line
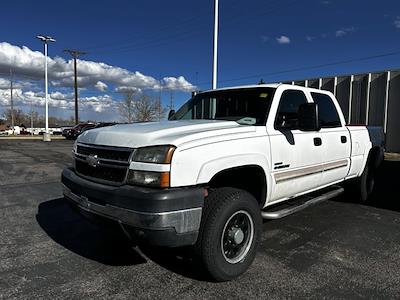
<point>287,116</point>
<point>327,112</point>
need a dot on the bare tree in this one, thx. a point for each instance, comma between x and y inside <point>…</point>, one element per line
<point>160,111</point>
<point>126,106</point>
<point>142,108</point>
<point>148,109</point>
<point>19,116</point>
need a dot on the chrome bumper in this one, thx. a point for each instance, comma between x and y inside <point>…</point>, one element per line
<point>183,221</point>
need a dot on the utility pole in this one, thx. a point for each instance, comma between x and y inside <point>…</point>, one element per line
<point>171,100</point>
<point>12,101</point>
<point>32,116</point>
<point>75,54</point>
<point>159,99</point>
<point>215,61</point>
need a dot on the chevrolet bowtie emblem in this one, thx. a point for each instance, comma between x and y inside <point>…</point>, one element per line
<point>93,160</point>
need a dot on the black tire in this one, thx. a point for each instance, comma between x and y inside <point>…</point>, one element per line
<point>229,233</point>
<point>363,186</point>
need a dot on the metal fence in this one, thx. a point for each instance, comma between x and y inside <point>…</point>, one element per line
<point>367,99</point>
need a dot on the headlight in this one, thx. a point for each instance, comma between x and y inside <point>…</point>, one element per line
<point>147,178</point>
<point>155,154</point>
<point>75,147</point>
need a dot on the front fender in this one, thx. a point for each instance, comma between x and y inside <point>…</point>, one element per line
<point>209,169</point>
<point>213,167</point>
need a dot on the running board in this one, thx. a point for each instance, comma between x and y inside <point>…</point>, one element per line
<point>277,214</point>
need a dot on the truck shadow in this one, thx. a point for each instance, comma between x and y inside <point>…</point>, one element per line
<point>386,191</point>
<point>72,231</point>
<point>181,261</point>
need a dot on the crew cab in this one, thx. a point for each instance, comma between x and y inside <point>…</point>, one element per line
<point>224,161</point>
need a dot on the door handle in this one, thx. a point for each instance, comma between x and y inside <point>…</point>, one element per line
<point>343,139</point>
<point>317,141</point>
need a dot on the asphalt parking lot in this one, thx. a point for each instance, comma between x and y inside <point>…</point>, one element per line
<point>337,249</point>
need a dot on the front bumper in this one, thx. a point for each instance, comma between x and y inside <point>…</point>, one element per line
<point>168,217</point>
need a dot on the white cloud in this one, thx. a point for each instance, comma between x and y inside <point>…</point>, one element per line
<point>326,2</point>
<point>180,83</point>
<point>265,38</point>
<point>29,63</point>
<point>344,31</point>
<point>340,33</point>
<point>125,89</point>
<point>57,100</point>
<point>310,38</point>
<point>283,40</point>
<point>396,22</point>
<point>6,84</point>
<point>58,95</point>
<point>97,103</point>
<point>101,86</point>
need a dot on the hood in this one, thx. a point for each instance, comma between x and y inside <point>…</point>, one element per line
<point>161,133</point>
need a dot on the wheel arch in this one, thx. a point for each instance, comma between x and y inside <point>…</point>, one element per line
<point>251,178</point>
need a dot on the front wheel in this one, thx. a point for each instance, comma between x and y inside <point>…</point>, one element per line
<point>229,233</point>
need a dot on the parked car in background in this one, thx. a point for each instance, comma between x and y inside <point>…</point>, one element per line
<point>65,131</point>
<point>74,132</point>
<point>105,124</point>
<point>25,132</point>
<point>4,129</point>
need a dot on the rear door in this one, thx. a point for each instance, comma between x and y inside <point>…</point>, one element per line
<point>336,143</point>
<point>296,155</point>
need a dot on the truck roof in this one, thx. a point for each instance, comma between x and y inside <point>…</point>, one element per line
<point>269,85</point>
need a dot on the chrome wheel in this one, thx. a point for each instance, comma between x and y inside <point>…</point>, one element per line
<point>237,237</point>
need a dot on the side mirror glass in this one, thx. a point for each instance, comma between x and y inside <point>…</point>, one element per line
<point>308,117</point>
<point>171,114</point>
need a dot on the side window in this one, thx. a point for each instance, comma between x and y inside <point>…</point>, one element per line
<point>287,114</point>
<point>327,112</point>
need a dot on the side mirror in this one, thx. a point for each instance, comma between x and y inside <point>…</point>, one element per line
<point>171,114</point>
<point>308,117</point>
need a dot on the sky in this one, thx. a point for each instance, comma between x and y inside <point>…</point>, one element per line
<point>166,46</point>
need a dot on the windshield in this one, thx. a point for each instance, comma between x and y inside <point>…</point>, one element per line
<point>245,106</point>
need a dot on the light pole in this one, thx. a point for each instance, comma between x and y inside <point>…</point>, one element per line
<point>215,60</point>
<point>46,39</point>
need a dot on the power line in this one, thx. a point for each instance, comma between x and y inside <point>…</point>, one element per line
<point>119,47</point>
<point>308,67</point>
<point>129,41</point>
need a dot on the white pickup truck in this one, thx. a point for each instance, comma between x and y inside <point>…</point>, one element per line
<point>225,160</point>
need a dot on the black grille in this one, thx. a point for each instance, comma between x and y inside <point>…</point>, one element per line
<point>118,154</point>
<point>116,175</point>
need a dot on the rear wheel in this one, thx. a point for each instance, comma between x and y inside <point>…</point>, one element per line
<point>367,183</point>
<point>360,189</point>
<point>229,233</point>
